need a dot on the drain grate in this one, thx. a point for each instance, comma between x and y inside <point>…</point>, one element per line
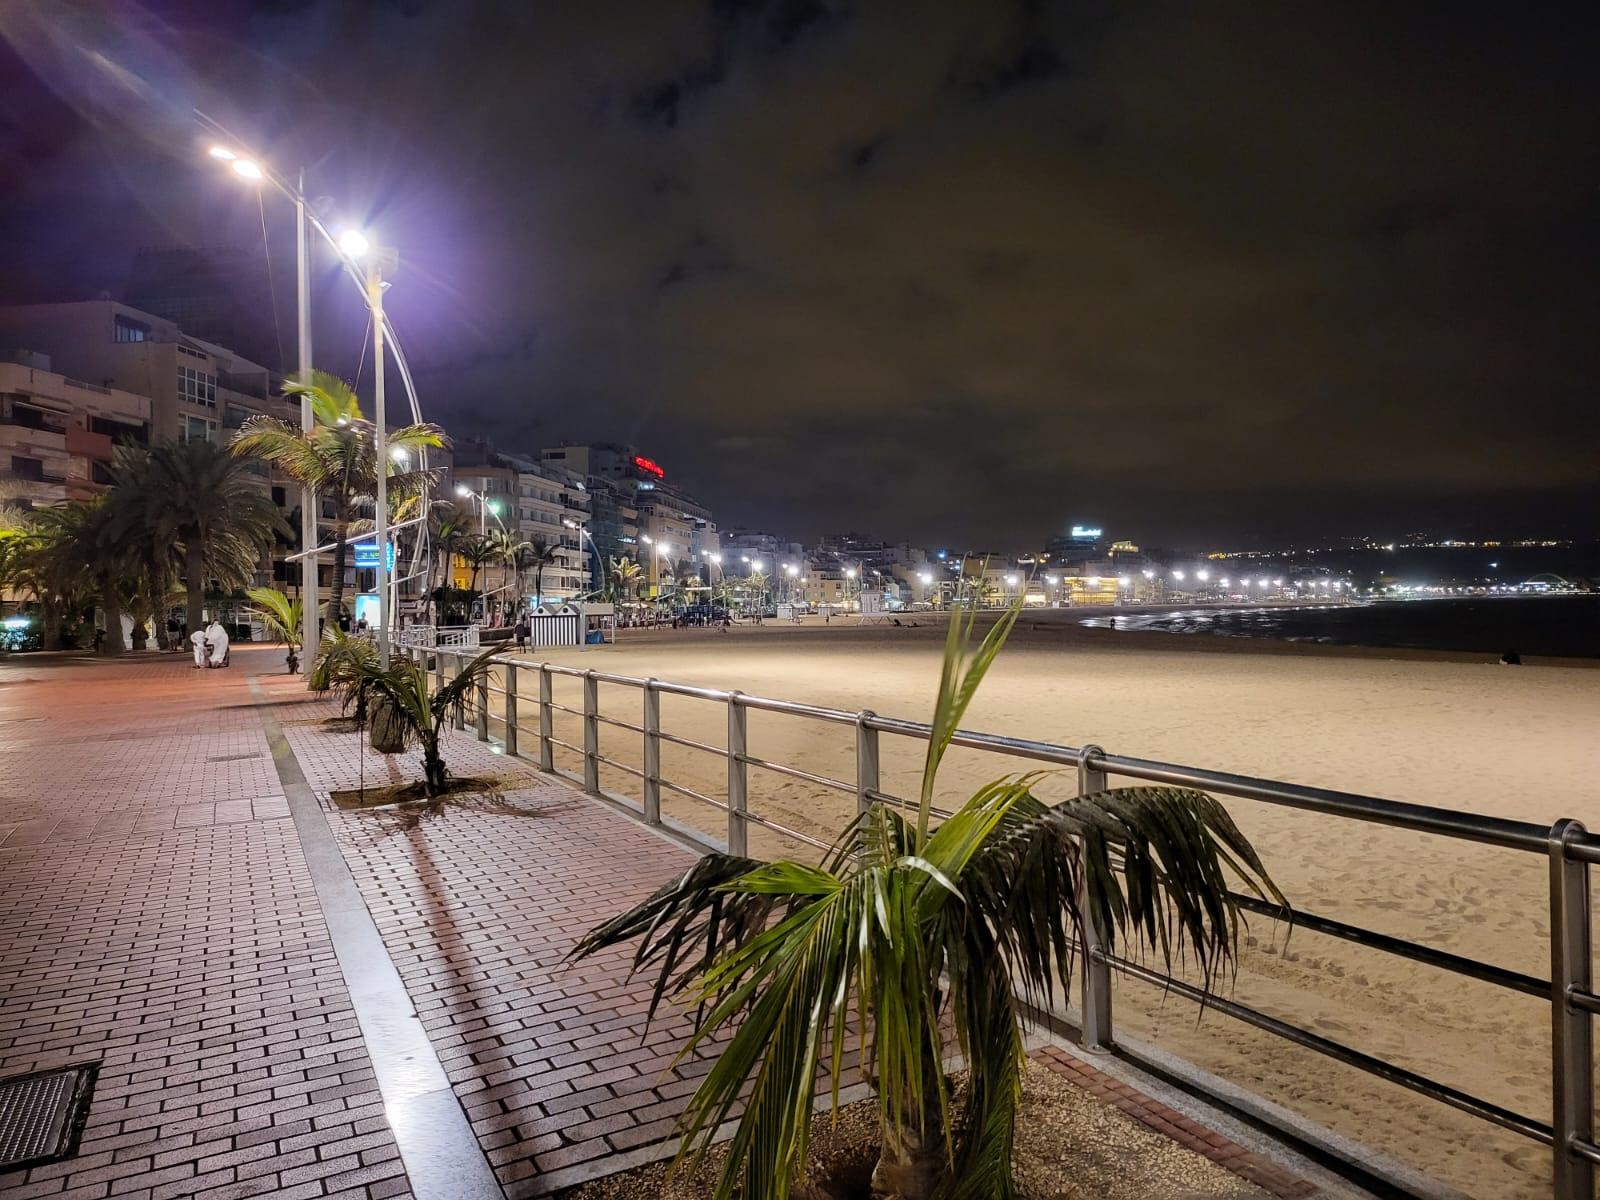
<point>42,1115</point>
<point>234,757</point>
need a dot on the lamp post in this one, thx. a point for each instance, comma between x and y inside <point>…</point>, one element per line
<point>248,166</point>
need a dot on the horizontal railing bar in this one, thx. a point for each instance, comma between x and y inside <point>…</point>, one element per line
<point>1584,1148</point>
<point>1445,1094</point>
<point>620,724</point>
<point>692,794</point>
<point>576,712</point>
<point>797,773</point>
<point>621,766</point>
<point>1583,1001</point>
<point>878,797</point>
<point>1471,967</point>
<point>555,741</point>
<point>719,751</point>
<point>1497,831</point>
<point>786,831</point>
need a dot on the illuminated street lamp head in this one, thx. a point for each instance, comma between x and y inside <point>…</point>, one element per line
<point>755,566</point>
<point>792,569</point>
<point>1011,581</point>
<point>463,490</point>
<point>1177,574</point>
<point>399,455</point>
<point>222,153</point>
<point>1202,576</point>
<point>354,243</point>
<point>850,573</point>
<point>716,557</point>
<point>246,169</point>
<point>1123,581</point>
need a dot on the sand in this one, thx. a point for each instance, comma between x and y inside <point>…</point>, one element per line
<point>1441,730</point>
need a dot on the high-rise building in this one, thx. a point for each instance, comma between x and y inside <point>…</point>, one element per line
<point>676,535</point>
<point>221,294</point>
<point>535,502</point>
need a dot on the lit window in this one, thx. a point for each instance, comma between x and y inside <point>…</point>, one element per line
<point>126,329</point>
<point>197,387</point>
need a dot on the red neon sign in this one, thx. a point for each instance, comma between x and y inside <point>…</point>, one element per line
<point>645,464</point>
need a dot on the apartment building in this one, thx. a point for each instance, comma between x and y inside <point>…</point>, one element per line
<point>58,434</point>
<point>535,502</point>
<point>191,389</point>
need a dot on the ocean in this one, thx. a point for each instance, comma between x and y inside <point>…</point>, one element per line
<point>1561,626</point>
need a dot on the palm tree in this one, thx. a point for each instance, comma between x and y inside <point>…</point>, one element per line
<point>627,576</point>
<point>758,581</point>
<point>83,540</point>
<point>479,551</point>
<point>911,928</point>
<point>539,555</point>
<point>417,711</point>
<point>337,458</point>
<point>281,616</point>
<point>448,529</point>
<point>201,500</point>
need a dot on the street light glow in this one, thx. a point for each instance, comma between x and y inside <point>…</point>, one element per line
<point>223,153</point>
<point>850,573</point>
<point>245,169</point>
<point>354,243</point>
<point>1202,576</point>
<point>754,566</point>
<point>1177,574</point>
<point>463,490</point>
<point>399,455</point>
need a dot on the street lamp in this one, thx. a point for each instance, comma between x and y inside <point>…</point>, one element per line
<point>249,167</point>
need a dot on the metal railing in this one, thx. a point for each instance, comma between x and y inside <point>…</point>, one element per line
<point>1567,847</point>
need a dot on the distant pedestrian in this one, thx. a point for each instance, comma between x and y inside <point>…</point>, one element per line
<point>521,632</point>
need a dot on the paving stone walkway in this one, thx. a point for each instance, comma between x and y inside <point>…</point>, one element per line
<point>160,914</point>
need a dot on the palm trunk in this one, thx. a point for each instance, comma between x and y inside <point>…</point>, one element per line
<point>433,772</point>
<point>538,584</point>
<point>912,1163</point>
<point>336,586</point>
<point>111,646</point>
<point>194,583</point>
<point>51,633</point>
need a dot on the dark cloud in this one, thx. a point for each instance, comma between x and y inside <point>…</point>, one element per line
<point>950,270</point>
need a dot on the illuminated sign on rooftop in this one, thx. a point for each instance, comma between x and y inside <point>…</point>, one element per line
<point>649,466</point>
<point>1086,533</point>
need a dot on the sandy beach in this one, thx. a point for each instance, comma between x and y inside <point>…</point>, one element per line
<point>1456,731</point>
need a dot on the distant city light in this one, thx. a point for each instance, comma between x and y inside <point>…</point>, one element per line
<point>1177,574</point>
<point>1202,576</point>
<point>850,573</point>
<point>1052,580</point>
<point>754,566</point>
<point>925,577</point>
<point>1149,574</point>
<point>792,569</point>
<point>1094,581</point>
<point>1123,580</point>
<point>1011,581</point>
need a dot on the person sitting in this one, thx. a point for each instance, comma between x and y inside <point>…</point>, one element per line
<point>217,638</point>
<point>198,640</point>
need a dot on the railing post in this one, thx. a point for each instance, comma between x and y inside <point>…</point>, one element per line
<point>1094,995</point>
<point>652,753</point>
<point>591,733</point>
<point>1572,1035</point>
<point>547,751</point>
<point>438,669</point>
<point>482,715</point>
<point>738,777</point>
<point>458,717</point>
<point>511,709</point>
<point>866,761</point>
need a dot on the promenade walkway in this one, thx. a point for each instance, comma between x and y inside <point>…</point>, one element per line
<point>289,999</point>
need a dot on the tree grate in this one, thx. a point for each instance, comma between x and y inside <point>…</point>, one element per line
<point>42,1115</point>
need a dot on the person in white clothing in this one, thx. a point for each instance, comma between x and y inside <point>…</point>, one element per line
<point>198,638</point>
<point>217,637</point>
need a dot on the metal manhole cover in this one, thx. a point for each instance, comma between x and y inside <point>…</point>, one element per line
<point>42,1115</point>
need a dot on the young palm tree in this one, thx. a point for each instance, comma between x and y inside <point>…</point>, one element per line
<point>448,528</point>
<point>508,550</point>
<point>337,458</point>
<point>418,711</point>
<point>281,617</point>
<point>200,499</point>
<point>906,927</point>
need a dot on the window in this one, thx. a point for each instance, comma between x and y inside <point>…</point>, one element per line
<point>119,430</point>
<point>126,329</point>
<point>196,429</point>
<point>27,468</point>
<point>197,387</point>
<point>100,472</point>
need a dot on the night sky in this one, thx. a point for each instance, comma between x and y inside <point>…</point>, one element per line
<point>954,272</point>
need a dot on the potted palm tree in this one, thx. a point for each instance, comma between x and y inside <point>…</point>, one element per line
<point>281,617</point>
<point>418,711</point>
<point>924,935</point>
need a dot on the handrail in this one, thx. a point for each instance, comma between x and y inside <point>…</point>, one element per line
<point>1568,847</point>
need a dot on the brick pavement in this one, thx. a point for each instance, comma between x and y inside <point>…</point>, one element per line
<point>156,915</point>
